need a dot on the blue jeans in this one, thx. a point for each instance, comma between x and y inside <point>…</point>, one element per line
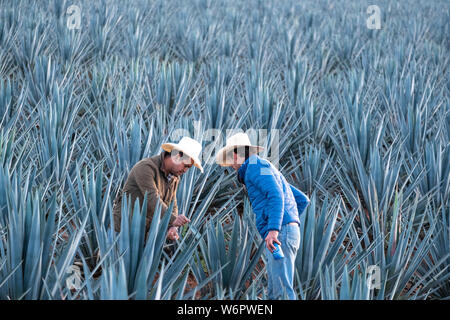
<point>281,272</point>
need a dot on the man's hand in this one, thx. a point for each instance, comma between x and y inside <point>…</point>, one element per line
<point>270,239</point>
<point>172,234</point>
<point>180,221</point>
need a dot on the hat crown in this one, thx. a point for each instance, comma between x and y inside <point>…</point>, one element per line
<point>239,139</point>
<point>189,147</point>
<point>190,144</point>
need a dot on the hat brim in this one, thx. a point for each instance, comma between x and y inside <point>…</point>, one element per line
<point>221,158</point>
<point>171,146</point>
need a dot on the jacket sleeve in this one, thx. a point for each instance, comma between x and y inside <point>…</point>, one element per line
<point>301,199</point>
<point>145,179</point>
<point>272,192</point>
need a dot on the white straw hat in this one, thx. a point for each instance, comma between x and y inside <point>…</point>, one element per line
<point>238,140</point>
<point>189,147</point>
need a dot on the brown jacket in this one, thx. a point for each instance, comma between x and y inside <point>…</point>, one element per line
<point>147,176</point>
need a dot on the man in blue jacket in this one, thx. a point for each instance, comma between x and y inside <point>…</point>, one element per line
<point>277,206</point>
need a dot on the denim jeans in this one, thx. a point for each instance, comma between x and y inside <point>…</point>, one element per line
<point>281,272</point>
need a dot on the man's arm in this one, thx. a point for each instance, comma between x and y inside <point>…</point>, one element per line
<point>145,179</point>
<point>301,199</point>
<point>175,205</point>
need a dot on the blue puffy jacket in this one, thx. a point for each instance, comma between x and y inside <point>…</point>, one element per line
<point>274,201</point>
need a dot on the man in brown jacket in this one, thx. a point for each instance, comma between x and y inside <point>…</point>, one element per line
<point>159,176</point>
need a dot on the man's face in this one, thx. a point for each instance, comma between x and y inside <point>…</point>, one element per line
<point>180,165</point>
<point>237,161</point>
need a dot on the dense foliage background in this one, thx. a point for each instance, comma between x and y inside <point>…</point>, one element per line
<point>357,118</point>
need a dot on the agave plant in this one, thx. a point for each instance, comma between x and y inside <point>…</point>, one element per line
<point>233,256</point>
<point>317,249</point>
<point>356,287</point>
<point>355,117</point>
<point>434,269</point>
<point>35,259</point>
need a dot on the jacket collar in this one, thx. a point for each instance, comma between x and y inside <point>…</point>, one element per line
<point>243,169</point>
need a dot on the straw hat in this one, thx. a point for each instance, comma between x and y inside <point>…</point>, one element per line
<point>238,140</point>
<point>189,147</point>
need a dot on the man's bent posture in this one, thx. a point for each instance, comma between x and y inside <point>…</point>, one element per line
<point>276,204</point>
<point>159,176</point>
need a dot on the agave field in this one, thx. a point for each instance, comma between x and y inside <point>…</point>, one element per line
<point>355,117</point>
